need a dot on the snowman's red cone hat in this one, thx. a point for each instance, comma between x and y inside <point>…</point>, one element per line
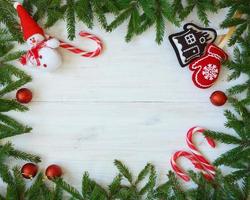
<point>29,26</point>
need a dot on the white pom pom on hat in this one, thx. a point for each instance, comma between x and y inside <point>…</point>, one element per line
<point>16,4</point>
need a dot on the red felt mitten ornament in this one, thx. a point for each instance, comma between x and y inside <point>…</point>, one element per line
<point>207,68</point>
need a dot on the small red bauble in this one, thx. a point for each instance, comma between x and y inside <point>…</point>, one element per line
<point>24,95</point>
<point>218,98</point>
<point>29,170</point>
<point>53,171</point>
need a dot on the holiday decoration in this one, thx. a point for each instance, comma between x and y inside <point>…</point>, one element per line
<point>198,160</point>
<point>191,43</point>
<point>218,98</point>
<point>195,162</point>
<point>29,170</point>
<point>53,171</point>
<point>42,52</point>
<point>189,139</point>
<point>206,69</point>
<point>81,52</point>
<point>24,95</point>
<point>125,185</point>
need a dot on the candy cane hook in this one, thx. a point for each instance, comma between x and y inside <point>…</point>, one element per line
<point>81,52</point>
<point>194,161</point>
<point>196,152</point>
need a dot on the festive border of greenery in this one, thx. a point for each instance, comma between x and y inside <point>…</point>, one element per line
<point>141,15</point>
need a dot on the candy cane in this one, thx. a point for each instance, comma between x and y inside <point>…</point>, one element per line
<point>195,150</point>
<point>82,52</point>
<point>195,162</point>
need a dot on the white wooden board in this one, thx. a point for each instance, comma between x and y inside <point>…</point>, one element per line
<point>133,103</point>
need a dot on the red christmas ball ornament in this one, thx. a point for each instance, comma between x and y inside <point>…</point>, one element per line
<point>218,98</point>
<point>29,170</point>
<point>53,171</point>
<point>24,95</point>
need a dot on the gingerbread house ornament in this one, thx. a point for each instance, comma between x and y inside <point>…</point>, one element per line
<point>191,43</point>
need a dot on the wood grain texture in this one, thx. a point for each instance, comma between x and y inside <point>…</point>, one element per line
<point>133,103</point>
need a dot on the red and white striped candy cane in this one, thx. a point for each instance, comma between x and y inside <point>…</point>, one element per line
<point>195,162</point>
<point>189,139</point>
<point>82,52</point>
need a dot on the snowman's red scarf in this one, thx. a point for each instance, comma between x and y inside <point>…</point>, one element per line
<point>33,53</point>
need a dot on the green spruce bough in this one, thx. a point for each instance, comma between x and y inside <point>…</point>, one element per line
<point>139,15</point>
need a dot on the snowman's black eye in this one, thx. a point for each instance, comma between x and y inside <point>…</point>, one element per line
<point>44,65</point>
<point>40,57</point>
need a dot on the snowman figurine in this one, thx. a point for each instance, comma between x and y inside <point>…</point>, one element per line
<point>42,52</point>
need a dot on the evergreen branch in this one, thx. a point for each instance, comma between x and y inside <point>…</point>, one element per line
<point>239,88</point>
<point>65,186</point>
<point>149,187</point>
<point>8,105</point>
<point>163,191</point>
<point>237,175</point>
<point>232,22</point>
<point>24,156</point>
<point>133,24</point>
<point>115,186</point>
<point>142,175</point>
<point>58,193</point>
<point>98,193</point>
<point>20,185</point>
<point>84,12</point>
<point>160,28</point>
<point>8,150</point>
<point>223,137</point>
<point>178,193</point>
<point>13,56</point>
<point>4,151</point>
<point>34,192</point>
<point>11,127</point>
<point>140,14</point>
<point>53,15</point>
<point>202,7</point>
<point>246,187</point>
<point>122,17</point>
<point>5,174</point>
<point>98,9</point>
<point>86,186</point>
<point>234,155</point>
<point>124,171</point>
<point>6,72</point>
<point>70,18</point>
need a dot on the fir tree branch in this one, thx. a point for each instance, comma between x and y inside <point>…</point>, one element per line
<point>6,73</point>
<point>65,186</point>
<point>124,171</point>
<point>70,18</point>
<point>8,105</point>
<point>223,137</point>
<point>115,186</point>
<point>11,127</point>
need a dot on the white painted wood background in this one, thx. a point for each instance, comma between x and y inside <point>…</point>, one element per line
<point>133,103</point>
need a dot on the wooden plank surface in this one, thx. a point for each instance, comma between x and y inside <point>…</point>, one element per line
<point>133,103</point>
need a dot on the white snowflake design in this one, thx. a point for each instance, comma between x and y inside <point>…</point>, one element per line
<point>210,72</point>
